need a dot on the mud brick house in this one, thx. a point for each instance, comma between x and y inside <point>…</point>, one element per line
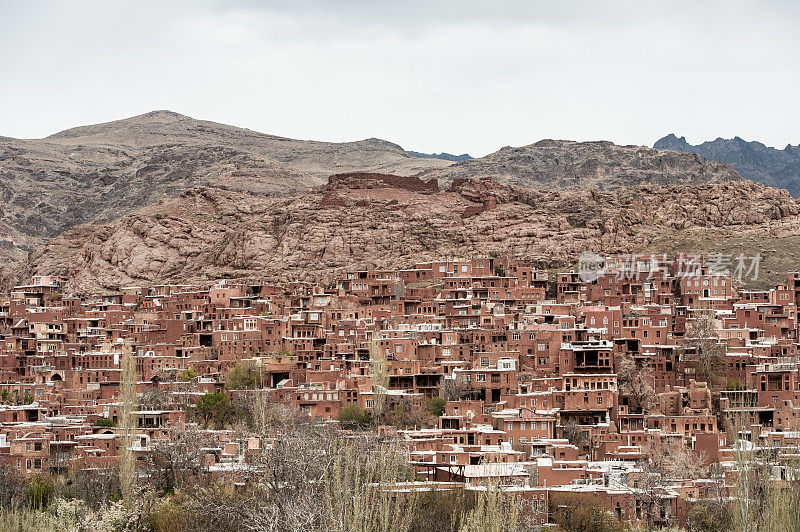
<point>528,361</point>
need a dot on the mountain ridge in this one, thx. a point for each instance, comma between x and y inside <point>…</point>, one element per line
<point>752,159</point>
<point>443,155</point>
<point>115,188</point>
<point>564,164</point>
<point>97,173</point>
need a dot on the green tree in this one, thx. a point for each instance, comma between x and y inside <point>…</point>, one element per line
<point>187,375</point>
<point>212,405</point>
<point>435,406</point>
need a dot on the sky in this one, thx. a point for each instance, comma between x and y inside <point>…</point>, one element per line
<point>463,76</point>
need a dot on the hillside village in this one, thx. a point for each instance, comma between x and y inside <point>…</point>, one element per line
<point>488,370</point>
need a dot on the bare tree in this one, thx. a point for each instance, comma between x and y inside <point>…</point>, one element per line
<point>156,399</point>
<point>454,389</point>
<point>707,351</point>
<point>575,434</point>
<point>636,382</point>
<point>663,463</point>
<point>177,460</point>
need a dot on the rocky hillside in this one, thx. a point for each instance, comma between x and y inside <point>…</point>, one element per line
<point>753,160</point>
<point>163,197</point>
<point>98,173</point>
<point>374,220</point>
<point>561,164</point>
<point>442,155</point>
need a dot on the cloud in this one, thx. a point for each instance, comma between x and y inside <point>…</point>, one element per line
<point>455,76</point>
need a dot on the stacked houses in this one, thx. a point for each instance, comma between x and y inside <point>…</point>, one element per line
<point>554,383</point>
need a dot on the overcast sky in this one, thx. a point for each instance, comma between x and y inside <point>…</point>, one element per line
<point>462,76</point>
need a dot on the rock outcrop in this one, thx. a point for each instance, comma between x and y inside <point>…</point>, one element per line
<point>753,160</point>
<point>560,165</point>
<point>98,173</point>
<point>163,197</point>
<point>367,220</point>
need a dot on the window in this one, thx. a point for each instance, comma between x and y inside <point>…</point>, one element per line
<point>480,377</point>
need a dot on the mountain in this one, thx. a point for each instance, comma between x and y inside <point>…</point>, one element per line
<point>753,160</point>
<point>360,221</point>
<point>162,197</point>
<point>561,164</point>
<point>97,173</point>
<point>443,155</point>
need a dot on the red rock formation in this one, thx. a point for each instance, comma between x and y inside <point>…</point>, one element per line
<point>362,221</point>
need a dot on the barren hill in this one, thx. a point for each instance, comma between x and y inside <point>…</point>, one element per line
<point>753,160</point>
<point>562,164</point>
<point>162,196</point>
<point>373,220</point>
<point>100,172</point>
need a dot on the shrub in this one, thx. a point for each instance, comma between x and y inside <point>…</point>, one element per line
<point>441,510</point>
<point>39,492</point>
<point>96,488</point>
<point>170,515</point>
<point>582,513</point>
<point>734,384</point>
<point>354,417</point>
<point>12,485</point>
<point>104,422</point>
